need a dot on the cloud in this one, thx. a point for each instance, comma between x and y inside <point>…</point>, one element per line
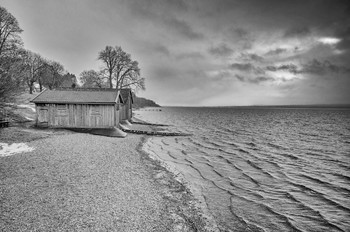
<point>241,37</point>
<point>165,13</point>
<point>292,68</point>
<point>297,32</point>
<point>247,67</point>
<point>182,27</point>
<point>242,67</point>
<point>254,80</point>
<point>320,68</point>
<point>241,33</point>
<point>251,57</point>
<point>344,35</point>
<point>221,50</point>
<point>312,67</point>
<point>161,49</point>
<point>276,51</point>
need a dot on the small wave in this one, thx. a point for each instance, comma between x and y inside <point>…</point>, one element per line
<point>251,178</point>
<point>201,145</point>
<point>209,165</point>
<point>259,168</point>
<point>218,173</point>
<point>282,218</point>
<point>342,176</point>
<point>289,156</point>
<point>229,143</point>
<point>189,161</point>
<point>326,184</point>
<point>317,214</point>
<point>242,150</point>
<point>320,196</point>
<point>251,144</point>
<point>277,146</point>
<point>227,152</point>
<point>247,226</point>
<point>169,153</point>
<point>254,165</point>
<point>229,162</point>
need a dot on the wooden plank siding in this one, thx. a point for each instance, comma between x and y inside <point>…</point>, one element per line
<point>126,110</point>
<point>78,115</point>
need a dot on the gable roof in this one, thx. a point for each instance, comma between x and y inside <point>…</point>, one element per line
<point>125,95</point>
<point>78,95</point>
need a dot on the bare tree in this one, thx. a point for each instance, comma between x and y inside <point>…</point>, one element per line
<point>10,56</point>
<point>9,32</point>
<point>54,76</point>
<point>33,64</point>
<point>91,78</point>
<point>120,69</point>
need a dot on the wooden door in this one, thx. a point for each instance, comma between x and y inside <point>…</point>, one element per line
<point>43,116</point>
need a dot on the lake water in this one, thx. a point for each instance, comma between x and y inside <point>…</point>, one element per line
<point>262,168</point>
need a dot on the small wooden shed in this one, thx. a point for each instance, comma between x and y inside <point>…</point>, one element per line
<point>78,108</point>
<point>126,106</point>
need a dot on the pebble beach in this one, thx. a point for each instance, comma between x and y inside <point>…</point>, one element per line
<point>81,182</point>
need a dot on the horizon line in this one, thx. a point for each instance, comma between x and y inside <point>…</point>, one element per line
<point>335,105</point>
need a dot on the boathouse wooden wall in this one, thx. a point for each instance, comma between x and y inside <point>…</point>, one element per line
<point>78,115</point>
<point>126,109</point>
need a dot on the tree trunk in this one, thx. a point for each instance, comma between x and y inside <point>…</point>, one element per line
<point>110,82</point>
<point>40,85</point>
<point>31,88</point>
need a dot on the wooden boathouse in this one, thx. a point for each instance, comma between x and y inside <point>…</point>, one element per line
<point>126,106</point>
<point>78,108</point>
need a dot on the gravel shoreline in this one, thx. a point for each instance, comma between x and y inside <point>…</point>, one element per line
<point>83,182</point>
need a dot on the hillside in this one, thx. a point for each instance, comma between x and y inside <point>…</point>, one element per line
<point>140,102</point>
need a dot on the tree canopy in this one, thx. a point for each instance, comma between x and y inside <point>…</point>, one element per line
<point>10,41</point>
<point>9,32</point>
<point>118,71</point>
<point>20,68</point>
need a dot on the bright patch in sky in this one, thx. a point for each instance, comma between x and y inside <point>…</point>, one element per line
<point>329,40</point>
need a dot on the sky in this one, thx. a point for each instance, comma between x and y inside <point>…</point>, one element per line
<point>203,52</point>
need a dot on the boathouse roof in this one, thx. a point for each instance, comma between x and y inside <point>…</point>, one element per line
<point>79,96</point>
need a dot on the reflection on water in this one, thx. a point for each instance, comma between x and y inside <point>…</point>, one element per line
<point>263,169</point>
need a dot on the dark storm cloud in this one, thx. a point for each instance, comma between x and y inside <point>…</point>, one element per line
<point>344,35</point>
<point>251,57</point>
<point>182,27</point>
<point>297,32</point>
<point>247,67</point>
<point>242,67</point>
<point>292,68</point>
<point>240,36</point>
<point>322,67</point>
<point>254,80</point>
<point>163,12</point>
<point>255,57</point>
<point>161,49</point>
<point>312,67</point>
<point>276,51</point>
<point>221,50</point>
<point>241,33</point>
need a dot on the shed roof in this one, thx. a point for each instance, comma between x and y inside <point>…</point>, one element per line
<point>75,96</point>
<point>125,95</point>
